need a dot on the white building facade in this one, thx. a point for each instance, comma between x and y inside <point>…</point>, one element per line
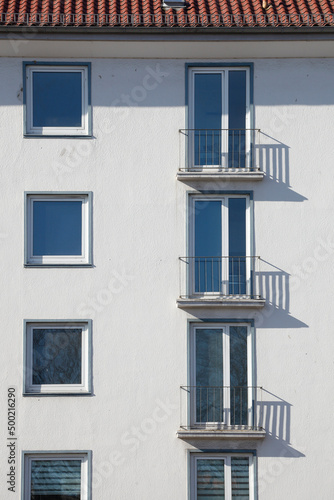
<point>166,241</point>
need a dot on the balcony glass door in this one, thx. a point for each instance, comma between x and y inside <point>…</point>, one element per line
<point>219,135</point>
<point>218,264</point>
<point>220,388</point>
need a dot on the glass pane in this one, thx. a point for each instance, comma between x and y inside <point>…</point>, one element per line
<point>55,479</point>
<point>240,478</point>
<point>237,245</point>
<point>57,99</point>
<point>57,356</point>
<point>208,115</point>
<point>237,119</point>
<point>210,479</point>
<point>238,375</point>
<point>208,246</point>
<point>57,227</point>
<point>209,375</point>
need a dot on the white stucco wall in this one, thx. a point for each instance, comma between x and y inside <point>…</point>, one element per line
<point>139,231</point>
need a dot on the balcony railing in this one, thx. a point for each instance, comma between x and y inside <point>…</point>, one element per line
<point>221,408</point>
<point>221,150</point>
<point>209,277</point>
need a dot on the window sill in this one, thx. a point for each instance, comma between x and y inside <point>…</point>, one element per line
<point>56,394</point>
<point>243,175</point>
<point>58,265</point>
<point>235,302</point>
<point>221,434</point>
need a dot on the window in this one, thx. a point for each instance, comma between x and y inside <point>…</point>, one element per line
<point>220,261</point>
<point>58,229</point>
<point>221,392</point>
<point>219,117</point>
<point>57,99</point>
<point>56,476</point>
<point>222,476</point>
<point>57,357</point>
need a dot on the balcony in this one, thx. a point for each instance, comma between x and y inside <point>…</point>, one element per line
<point>218,282</point>
<point>226,154</point>
<point>224,412</point>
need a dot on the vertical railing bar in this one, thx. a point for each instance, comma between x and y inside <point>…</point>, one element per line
<point>212,275</point>
<point>214,406</point>
<point>220,405</point>
<point>239,279</point>
<point>207,404</point>
<point>240,406</point>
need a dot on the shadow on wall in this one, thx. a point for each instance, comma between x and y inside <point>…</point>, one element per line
<point>272,158</point>
<point>275,417</point>
<point>272,283</point>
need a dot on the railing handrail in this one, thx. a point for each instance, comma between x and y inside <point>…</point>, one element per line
<point>220,257</point>
<point>218,129</point>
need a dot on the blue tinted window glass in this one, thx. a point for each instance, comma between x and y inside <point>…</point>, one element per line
<point>238,374</point>
<point>55,480</point>
<point>208,246</point>
<point>237,118</point>
<point>237,245</point>
<point>209,375</point>
<point>57,227</point>
<point>208,115</point>
<point>57,99</point>
<point>210,479</point>
<point>56,356</point>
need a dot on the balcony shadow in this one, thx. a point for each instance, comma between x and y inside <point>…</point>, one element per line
<point>272,158</point>
<point>274,415</point>
<point>272,283</point>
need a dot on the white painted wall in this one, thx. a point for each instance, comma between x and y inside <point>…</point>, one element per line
<point>139,220</point>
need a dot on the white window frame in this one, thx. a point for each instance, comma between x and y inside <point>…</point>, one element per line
<point>226,372</point>
<point>194,457</point>
<point>56,131</point>
<point>83,456</point>
<point>225,244</point>
<point>85,386</point>
<point>223,71</point>
<point>56,260</point>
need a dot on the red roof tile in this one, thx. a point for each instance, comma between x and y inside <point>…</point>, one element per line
<point>151,13</point>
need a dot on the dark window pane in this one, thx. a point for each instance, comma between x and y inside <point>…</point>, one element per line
<point>238,374</point>
<point>55,479</point>
<point>237,245</point>
<point>57,99</point>
<point>237,118</point>
<point>57,227</point>
<point>208,115</point>
<point>240,478</point>
<point>209,375</point>
<point>57,356</point>
<point>208,246</point>
<point>210,479</point>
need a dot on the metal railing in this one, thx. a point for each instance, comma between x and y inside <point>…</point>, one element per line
<point>207,277</point>
<point>218,149</point>
<point>225,407</point>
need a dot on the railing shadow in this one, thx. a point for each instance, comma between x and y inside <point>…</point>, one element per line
<point>272,158</point>
<point>274,415</point>
<point>273,284</point>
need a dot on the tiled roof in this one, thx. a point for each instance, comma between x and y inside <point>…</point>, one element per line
<point>152,13</point>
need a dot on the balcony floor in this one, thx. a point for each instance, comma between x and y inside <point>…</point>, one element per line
<point>234,302</point>
<point>221,434</point>
<point>219,176</point>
